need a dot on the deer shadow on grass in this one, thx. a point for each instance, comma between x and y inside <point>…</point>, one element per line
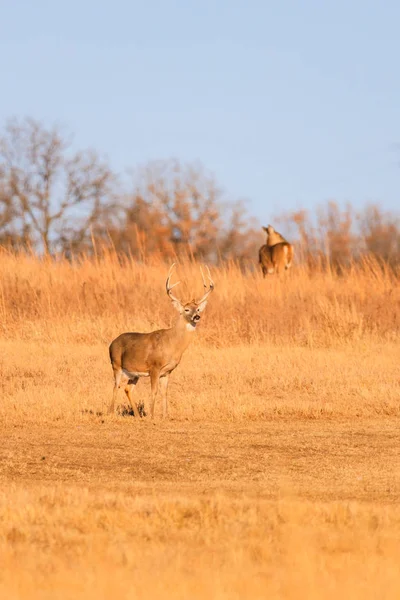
<point>124,410</point>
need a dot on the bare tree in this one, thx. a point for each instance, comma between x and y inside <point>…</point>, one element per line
<point>7,217</point>
<point>241,236</point>
<point>335,236</point>
<point>179,209</point>
<point>174,208</point>
<point>47,190</point>
<point>335,227</point>
<point>381,233</point>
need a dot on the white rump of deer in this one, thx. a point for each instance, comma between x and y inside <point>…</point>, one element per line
<point>158,353</point>
<point>277,254</point>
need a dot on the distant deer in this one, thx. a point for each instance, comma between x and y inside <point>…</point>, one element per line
<point>276,254</point>
<point>156,354</point>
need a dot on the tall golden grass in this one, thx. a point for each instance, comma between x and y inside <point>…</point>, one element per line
<point>278,475</point>
<point>93,299</point>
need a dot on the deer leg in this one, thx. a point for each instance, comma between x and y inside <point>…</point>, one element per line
<point>117,382</point>
<point>164,390</point>
<point>154,381</point>
<point>129,391</point>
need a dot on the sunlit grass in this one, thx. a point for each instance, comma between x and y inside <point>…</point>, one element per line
<point>277,475</point>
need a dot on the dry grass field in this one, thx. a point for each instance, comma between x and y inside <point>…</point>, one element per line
<point>277,475</point>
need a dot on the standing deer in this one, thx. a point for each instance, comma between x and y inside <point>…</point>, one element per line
<point>276,254</point>
<point>156,354</point>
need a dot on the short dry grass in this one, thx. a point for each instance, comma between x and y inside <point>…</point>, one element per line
<point>277,476</point>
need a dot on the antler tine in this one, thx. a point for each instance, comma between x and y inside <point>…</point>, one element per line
<point>202,276</point>
<point>209,277</point>
<point>170,271</point>
<point>211,286</point>
<point>170,287</point>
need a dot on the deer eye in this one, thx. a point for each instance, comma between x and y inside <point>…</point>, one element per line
<point>187,310</point>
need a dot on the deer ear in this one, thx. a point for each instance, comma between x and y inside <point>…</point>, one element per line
<point>265,229</point>
<point>177,306</point>
<point>202,306</point>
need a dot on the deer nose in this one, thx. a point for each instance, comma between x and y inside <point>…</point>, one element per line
<point>196,318</point>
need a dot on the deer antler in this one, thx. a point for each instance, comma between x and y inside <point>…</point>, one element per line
<point>211,286</point>
<point>170,287</point>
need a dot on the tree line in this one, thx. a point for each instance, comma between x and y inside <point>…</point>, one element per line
<point>57,200</point>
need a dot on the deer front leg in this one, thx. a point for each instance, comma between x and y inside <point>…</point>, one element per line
<point>154,381</point>
<point>164,390</point>
<point>129,391</point>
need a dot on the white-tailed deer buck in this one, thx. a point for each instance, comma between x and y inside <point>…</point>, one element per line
<point>156,354</point>
<point>277,254</point>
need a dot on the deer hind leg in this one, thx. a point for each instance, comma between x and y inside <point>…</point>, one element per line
<point>117,383</point>
<point>154,381</point>
<point>164,393</point>
<point>289,257</point>
<point>270,267</point>
<point>129,391</point>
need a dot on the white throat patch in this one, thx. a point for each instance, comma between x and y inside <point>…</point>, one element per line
<point>190,326</point>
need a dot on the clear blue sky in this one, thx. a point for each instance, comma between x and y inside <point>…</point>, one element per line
<point>289,103</point>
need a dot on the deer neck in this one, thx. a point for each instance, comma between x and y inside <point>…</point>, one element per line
<point>183,332</point>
